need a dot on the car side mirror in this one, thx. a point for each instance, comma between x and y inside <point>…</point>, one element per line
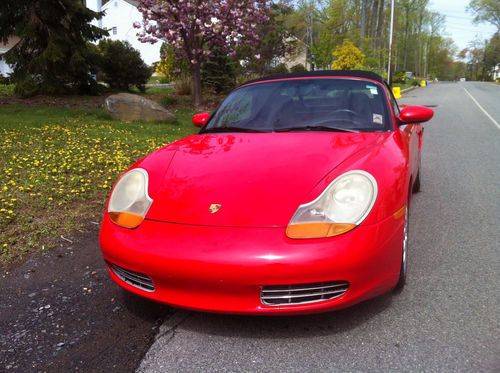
<point>415,114</point>
<point>200,119</point>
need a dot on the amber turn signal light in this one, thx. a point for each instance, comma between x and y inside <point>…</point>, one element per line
<point>400,213</point>
<point>317,230</point>
<point>126,219</point>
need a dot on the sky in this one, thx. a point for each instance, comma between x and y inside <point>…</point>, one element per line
<point>459,22</point>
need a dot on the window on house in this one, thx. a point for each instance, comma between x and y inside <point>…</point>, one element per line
<point>114,30</point>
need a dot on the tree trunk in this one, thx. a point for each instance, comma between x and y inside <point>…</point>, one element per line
<point>407,27</point>
<point>373,23</point>
<point>380,25</point>
<point>196,76</point>
<point>430,53</point>
<point>419,47</point>
<point>363,19</point>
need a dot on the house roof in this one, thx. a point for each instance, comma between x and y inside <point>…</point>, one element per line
<point>317,73</point>
<point>11,42</point>
<point>131,2</point>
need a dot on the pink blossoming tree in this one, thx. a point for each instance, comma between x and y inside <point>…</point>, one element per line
<point>193,27</point>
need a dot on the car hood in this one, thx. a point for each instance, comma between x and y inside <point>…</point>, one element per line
<point>251,179</point>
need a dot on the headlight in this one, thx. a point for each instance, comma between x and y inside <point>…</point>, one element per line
<point>342,206</point>
<point>130,201</point>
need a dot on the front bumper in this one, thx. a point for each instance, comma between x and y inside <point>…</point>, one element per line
<point>223,269</point>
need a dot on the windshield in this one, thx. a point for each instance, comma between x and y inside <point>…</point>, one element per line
<point>338,104</point>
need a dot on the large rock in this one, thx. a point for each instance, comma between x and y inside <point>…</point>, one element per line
<point>129,107</point>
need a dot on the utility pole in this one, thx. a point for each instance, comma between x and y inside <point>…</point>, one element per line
<point>310,7</point>
<point>391,31</point>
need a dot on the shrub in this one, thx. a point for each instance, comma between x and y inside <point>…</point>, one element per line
<point>170,66</point>
<point>348,57</point>
<point>164,80</point>
<point>399,77</point>
<point>241,79</point>
<point>168,100</point>
<point>183,85</point>
<point>121,66</point>
<point>7,89</point>
<point>5,79</point>
<point>279,69</point>
<point>298,68</point>
<point>28,87</point>
<point>414,83</point>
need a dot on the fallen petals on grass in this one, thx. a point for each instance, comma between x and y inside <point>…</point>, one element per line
<point>53,170</point>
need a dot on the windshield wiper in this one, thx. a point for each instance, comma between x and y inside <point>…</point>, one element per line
<point>231,129</point>
<point>314,128</point>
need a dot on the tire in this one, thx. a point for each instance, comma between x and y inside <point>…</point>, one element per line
<point>403,269</point>
<point>416,184</point>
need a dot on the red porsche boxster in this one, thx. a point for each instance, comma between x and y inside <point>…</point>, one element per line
<point>292,198</point>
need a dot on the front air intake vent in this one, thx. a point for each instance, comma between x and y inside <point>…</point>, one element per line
<point>282,295</point>
<point>135,279</point>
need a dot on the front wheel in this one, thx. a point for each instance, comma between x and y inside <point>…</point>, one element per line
<point>404,256</point>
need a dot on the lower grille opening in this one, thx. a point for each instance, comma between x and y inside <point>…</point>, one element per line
<point>279,295</point>
<point>135,279</point>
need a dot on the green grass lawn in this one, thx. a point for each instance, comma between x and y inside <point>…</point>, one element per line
<point>153,90</point>
<point>58,166</point>
<point>402,85</point>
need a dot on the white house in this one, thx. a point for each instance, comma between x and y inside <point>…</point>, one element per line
<point>5,69</point>
<point>118,20</point>
<point>495,72</point>
<point>298,56</point>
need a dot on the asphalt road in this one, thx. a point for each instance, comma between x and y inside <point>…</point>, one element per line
<point>448,316</point>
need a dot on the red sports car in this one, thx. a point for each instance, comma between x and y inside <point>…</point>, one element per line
<point>292,198</point>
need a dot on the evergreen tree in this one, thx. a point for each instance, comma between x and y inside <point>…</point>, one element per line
<point>218,72</point>
<point>277,40</point>
<point>53,55</point>
<point>121,66</point>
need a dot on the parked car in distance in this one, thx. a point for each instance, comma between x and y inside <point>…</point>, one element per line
<point>293,198</point>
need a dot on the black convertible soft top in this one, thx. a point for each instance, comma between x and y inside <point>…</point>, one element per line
<point>305,74</point>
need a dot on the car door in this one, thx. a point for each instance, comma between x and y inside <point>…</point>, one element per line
<point>411,135</point>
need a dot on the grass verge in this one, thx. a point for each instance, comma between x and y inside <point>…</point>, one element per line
<point>403,85</point>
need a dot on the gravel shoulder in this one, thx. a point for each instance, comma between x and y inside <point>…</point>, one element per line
<point>59,311</point>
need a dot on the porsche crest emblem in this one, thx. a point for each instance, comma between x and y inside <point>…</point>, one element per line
<point>214,207</point>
